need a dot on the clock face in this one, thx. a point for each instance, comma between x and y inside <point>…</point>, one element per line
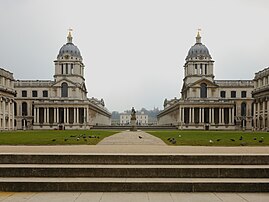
<point>66,56</point>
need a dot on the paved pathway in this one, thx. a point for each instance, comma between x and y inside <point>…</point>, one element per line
<point>132,138</point>
<point>132,197</point>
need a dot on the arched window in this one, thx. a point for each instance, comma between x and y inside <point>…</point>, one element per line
<point>203,91</point>
<point>24,109</point>
<point>64,90</point>
<point>243,109</point>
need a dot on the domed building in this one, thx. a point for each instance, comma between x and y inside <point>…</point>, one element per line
<point>61,103</point>
<point>207,103</point>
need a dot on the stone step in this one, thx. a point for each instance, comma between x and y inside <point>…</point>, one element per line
<point>134,184</point>
<point>132,159</point>
<point>134,171</point>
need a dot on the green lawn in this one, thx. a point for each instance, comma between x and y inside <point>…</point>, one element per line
<point>202,138</point>
<point>53,137</point>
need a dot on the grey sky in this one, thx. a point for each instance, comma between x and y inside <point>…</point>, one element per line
<point>134,51</point>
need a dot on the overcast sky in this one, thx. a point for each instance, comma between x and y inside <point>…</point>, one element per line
<point>134,50</point>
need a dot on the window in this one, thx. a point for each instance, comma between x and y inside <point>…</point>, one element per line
<point>24,93</point>
<point>195,67</point>
<point>64,90</point>
<point>233,94</point>
<point>66,68</point>
<point>243,94</point>
<point>243,109</point>
<point>222,94</point>
<point>201,68</point>
<point>203,91</point>
<point>45,93</point>
<point>24,109</point>
<point>62,68</point>
<point>34,93</point>
<point>205,68</point>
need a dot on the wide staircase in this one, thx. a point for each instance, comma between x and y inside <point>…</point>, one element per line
<point>134,172</point>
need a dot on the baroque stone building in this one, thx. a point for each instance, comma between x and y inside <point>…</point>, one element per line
<point>7,93</point>
<point>61,103</point>
<point>141,119</point>
<point>261,100</point>
<point>207,103</point>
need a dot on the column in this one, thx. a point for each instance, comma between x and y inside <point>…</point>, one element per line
<point>200,115</point>
<point>210,111</point>
<point>64,115</point>
<point>213,114</point>
<point>232,116</point>
<point>258,117</point>
<point>220,116</point>
<point>37,116</point>
<point>192,115</point>
<point>48,115</point>
<point>67,115</point>
<point>9,117</point>
<point>189,115</point>
<point>267,116</point>
<point>183,114</point>
<point>13,115</point>
<point>263,115</point>
<point>179,115</point>
<point>77,114</point>
<point>54,115</point>
<point>57,115</point>
<point>254,115</point>
<point>203,115</point>
<point>4,114</point>
<point>87,114</point>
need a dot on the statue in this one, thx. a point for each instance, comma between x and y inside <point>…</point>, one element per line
<point>133,120</point>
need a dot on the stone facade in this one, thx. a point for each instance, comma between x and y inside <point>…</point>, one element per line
<point>7,93</point>
<point>61,103</point>
<point>261,100</point>
<point>207,103</point>
<point>141,119</point>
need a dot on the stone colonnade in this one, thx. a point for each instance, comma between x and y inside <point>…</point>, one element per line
<point>61,115</point>
<point>260,118</point>
<point>7,114</point>
<point>206,115</point>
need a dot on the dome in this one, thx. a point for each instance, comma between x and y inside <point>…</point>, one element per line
<point>69,48</point>
<point>198,49</point>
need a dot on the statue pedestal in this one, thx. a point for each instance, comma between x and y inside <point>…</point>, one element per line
<point>133,125</point>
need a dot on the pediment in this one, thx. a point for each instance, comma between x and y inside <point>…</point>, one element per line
<point>59,83</point>
<point>209,83</point>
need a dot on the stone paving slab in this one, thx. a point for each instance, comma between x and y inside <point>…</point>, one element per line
<point>131,149</point>
<point>132,138</point>
<point>132,197</point>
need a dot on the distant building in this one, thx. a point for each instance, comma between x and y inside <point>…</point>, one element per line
<point>61,103</point>
<point>207,103</point>
<point>7,93</point>
<point>261,100</point>
<point>141,119</point>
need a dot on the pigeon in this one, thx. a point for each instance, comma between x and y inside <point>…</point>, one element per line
<point>232,140</point>
<point>72,136</point>
<point>179,135</point>
<point>169,138</point>
<point>85,140</point>
<point>218,140</point>
<point>139,137</point>
<point>84,137</point>
<point>254,138</point>
<point>78,139</point>
<point>241,138</point>
<point>53,140</point>
<point>65,139</point>
<point>243,144</point>
<point>211,141</point>
<point>174,141</point>
<point>261,140</point>
<point>97,137</point>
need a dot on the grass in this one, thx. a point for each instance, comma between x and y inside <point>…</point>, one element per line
<point>202,138</point>
<point>53,137</point>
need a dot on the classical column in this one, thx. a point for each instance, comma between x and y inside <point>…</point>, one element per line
<point>4,114</point>
<point>64,121</point>
<point>220,116</point>
<point>9,117</point>
<point>57,115</point>
<point>37,116</point>
<point>263,114</point>
<point>54,115</point>
<point>183,114</point>
<point>232,116</point>
<point>203,115</point>
<point>192,115</point>
<point>210,111</point>
<point>67,115</point>
<point>77,114</point>
<point>87,114</point>
<point>179,115</point>
<point>254,115</point>
<point>200,115</point>
<point>258,118</point>
<point>189,115</point>
<point>48,115</point>
<point>13,115</point>
<point>34,115</point>
<point>213,114</point>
